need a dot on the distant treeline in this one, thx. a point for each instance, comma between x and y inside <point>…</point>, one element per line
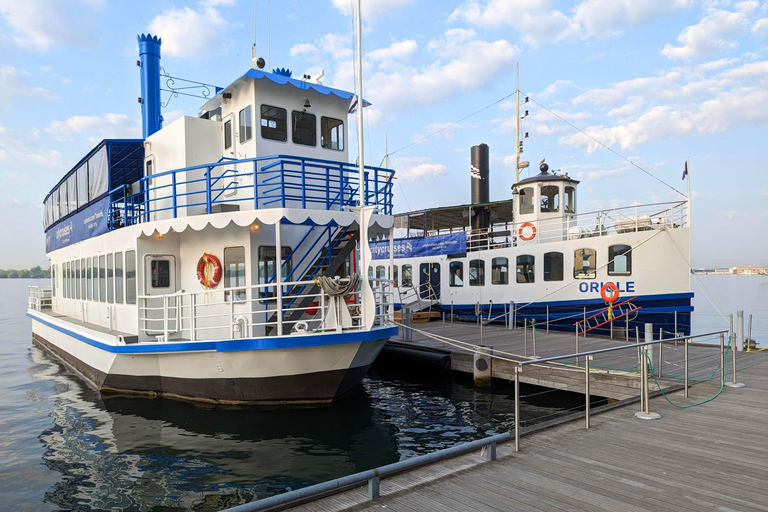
<point>34,273</point>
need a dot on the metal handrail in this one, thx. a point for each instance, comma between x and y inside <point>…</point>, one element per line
<point>373,476</point>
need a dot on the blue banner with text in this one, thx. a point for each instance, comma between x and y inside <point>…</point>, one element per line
<point>90,222</point>
<point>415,247</point>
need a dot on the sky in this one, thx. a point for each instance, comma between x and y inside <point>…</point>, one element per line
<point>658,81</point>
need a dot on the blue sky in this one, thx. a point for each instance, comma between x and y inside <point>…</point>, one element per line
<point>657,80</point>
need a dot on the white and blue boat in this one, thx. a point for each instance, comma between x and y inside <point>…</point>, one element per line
<point>216,258</point>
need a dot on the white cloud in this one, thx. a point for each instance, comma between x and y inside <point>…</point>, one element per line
<point>416,168</point>
<point>303,49</point>
<point>747,6</point>
<point>188,32</point>
<point>44,24</point>
<point>535,20</point>
<point>372,9</point>
<point>714,65</point>
<point>554,87</point>
<point>764,192</point>
<point>95,128</point>
<point>608,18</point>
<point>397,51</point>
<point>760,28</point>
<point>16,82</point>
<point>714,32</point>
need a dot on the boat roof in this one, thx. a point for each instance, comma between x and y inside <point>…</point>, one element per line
<point>303,85</point>
<point>448,217</point>
<point>545,176</point>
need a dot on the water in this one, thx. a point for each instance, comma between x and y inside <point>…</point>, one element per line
<point>729,294</point>
<point>66,447</point>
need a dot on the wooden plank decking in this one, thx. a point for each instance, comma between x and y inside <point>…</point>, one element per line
<point>709,457</point>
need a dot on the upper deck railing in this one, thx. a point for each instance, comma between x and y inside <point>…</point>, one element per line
<point>278,181</point>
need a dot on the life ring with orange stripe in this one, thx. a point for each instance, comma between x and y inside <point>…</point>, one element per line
<point>209,270</point>
<point>527,238</point>
<point>614,292</point>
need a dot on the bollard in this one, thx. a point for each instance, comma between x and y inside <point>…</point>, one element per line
<point>586,390</point>
<point>685,351</point>
<point>483,367</point>
<point>645,412</point>
<point>734,379</point>
<point>518,369</point>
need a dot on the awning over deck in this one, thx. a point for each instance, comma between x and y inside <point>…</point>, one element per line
<point>452,217</point>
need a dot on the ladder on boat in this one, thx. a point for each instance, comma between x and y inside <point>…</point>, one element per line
<point>600,318</point>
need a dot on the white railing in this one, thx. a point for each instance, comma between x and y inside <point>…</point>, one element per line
<point>38,298</point>
<point>258,310</point>
<point>599,223</point>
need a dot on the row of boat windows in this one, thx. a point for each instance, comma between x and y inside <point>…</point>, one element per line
<point>106,278</point>
<point>550,199</point>
<point>584,267</point>
<point>274,126</point>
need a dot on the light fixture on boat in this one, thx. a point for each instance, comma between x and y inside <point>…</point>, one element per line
<point>160,236</point>
<point>255,227</point>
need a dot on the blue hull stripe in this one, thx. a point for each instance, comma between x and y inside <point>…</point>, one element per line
<point>268,343</point>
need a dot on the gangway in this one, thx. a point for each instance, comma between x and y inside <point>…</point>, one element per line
<point>602,317</point>
<point>410,298</point>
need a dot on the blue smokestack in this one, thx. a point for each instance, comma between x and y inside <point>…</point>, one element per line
<point>149,53</point>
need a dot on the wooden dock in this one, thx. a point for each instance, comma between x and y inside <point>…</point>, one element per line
<point>710,457</point>
<point>614,375</point>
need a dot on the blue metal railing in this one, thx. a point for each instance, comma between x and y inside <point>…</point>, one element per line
<point>279,181</point>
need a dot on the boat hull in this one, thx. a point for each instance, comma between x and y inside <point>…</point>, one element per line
<point>315,373</point>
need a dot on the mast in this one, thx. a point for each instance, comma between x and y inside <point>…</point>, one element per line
<point>359,94</point>
<point>517,126</point>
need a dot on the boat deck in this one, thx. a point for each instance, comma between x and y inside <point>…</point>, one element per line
<point>130,338</point>
<point>710,457</point>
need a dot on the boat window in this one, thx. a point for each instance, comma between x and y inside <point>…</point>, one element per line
<point>477,273</point>
<point>584,264</point>
<point>267,262</point>
<point>53,280</point>
<point>304,128</point>
<point>244,125</point>
<point>119,277</point>
<point>553,266</point>
<point>500,271</point>
<point>72,192</point>
<point>82,185</point>
<point>228,134</point>
<point>77,279</point>
<point>407,275</point>
<point>130,277</point>
<point>148,166</point>
<point>273,123</point>
<point>102,278</point>
<point>88,280</point>
<point>526,268</point>
<point>110,278</point>
<point>381,272</point>
<point>619,260</point>
<point>331,133</point>
<point>72,281</point>
<point>98,174</point>
<point>64,280</point>
<point>95,278</point>
<point>161,273</point>
<point>456,274</point>
<point>570,200</point>
<point>394,276</point>
<point>550,199</point>
<point>83,282</point>
<point>234,273</point>
<point>526,200</point>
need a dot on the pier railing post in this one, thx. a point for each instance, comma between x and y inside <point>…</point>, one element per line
<point>451,312</point>
<point>739,331</point>
<point>685,351</point>
<point>661,352</point>
<point>586,390</point>
<point>645,412</point>
<point>518,369</point>
<point>511,324</point>
<point>533,336</point>
<point>525,335</point>
<point>722,358</point>
<point>547,318</point>
<point>374,488</point>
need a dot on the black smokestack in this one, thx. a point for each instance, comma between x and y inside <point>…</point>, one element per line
<point>481,218</point>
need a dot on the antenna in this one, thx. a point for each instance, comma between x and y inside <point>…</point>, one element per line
<point>269,34</point>
<point>518,148</point>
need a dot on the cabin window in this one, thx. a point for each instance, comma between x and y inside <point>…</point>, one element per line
<point>526,268</point>
<point>273,123</point>
<point>110,278</point>
<point>82,185</point>
<point>456,274</point>
<point>148,166</point>
<point>553,266</point>
<point>244,124</point>
<point>53,280</point>
<point>526,200</point>
<point>228,134</point>
<point>267,263</point>
<point>332,133</point>
<point>95,278</point>
<point>570,200</point>
<point>64,280</point>
<point>584,264</point>
<point>550,199</point>
<point>477,273</point>
<point>381,272</point>
<point>394,275</point>
<point>89,279</point>
<point>500,271</point>
<point>234,273</point>
<point>130,277</point>
<point>77,279</point>
<point>118,277</point>
<point>407,275</point>
<point>304,128</point>
<point>103,278</point>
<point>619,260</point>
<point>72,281</point>
<point>161,273</point>
<point>370,272</point>
<point>83,282</point>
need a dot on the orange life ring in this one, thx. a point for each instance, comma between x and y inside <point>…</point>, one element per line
<point>208,278</point>
<point>614,292</point>
<point>527,238</point>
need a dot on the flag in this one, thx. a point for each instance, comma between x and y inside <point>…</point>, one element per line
<point>685,170</point>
